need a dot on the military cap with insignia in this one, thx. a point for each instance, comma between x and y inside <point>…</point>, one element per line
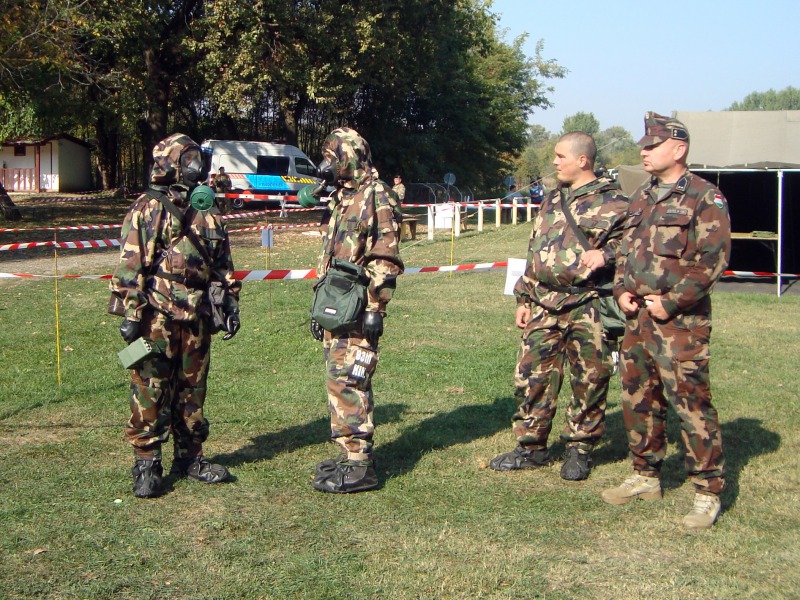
<point>658,128</point>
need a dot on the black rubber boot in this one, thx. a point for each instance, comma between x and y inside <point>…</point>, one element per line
<point>200,469</point>
<point>147,478</point>
<point>521,458</point>
<point>346,477</point>
<point>329,465</point>
<point>577,464</point>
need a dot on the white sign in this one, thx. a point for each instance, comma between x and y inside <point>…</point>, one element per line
<point>515,270</point>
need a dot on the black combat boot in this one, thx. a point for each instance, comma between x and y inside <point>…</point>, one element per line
<point>347,476</point>
<point>577,464</point>
<point>147,474</point>
<point>521,458</point>
<point>200,469</point>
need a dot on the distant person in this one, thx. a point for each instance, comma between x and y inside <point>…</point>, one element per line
<point>399,188</point>
<point>558,309</point>
<point>171,255</point>
<point>676,247</point>
<point>513,193</point>
<point>222,185</point>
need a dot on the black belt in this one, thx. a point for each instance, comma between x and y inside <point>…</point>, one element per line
<point>577,290</point>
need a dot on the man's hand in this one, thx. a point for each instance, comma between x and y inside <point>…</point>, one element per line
<point>373,327</point>
<point>317,332</point>
<point>130,330</point>
<point>522,316</point>
<point>628,303</point>
<point>232,325</point>
<point>594,259</point>
<point>655,308</point>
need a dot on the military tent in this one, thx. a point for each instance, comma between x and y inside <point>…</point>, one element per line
<point>754,158</point>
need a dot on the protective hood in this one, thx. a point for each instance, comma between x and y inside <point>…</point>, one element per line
<point>349,156</point>
<point>177,161</point>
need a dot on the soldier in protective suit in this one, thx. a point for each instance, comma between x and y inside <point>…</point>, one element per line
<point>363,229</point>
<point>173,251</point>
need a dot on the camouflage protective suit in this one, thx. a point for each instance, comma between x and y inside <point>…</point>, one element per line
<point>678,247</point>
<point>565,319</point>
<point>363,229</point>
<point>162,280</point>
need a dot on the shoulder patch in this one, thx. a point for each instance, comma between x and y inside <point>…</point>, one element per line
<point>719,201</point>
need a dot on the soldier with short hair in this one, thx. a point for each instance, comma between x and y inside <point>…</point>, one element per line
<point>558,308</point>
<point>675,248</point>
<point>364,230</point>
<point>171,253</point>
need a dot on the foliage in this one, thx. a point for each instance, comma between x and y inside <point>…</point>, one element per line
<point>429,83</point>
<point>785,99</point>
<point>581,121</point>
<point>615,146</point>
<point>441,525</point>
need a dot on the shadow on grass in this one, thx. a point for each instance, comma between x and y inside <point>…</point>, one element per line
<point>269,445</point>
<point>742,440</point>
<point>460,426</point>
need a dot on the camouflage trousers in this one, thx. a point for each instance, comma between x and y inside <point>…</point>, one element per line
<point>665,363</point>
<point>350,363</point>
<point>549,340</point>
<point>168,391</point>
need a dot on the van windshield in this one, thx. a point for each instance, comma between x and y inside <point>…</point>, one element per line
<point>272,165</point>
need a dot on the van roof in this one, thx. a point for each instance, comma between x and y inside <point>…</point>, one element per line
<point>239,146</point>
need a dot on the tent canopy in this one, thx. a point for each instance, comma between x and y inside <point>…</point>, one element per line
<point>743,139</point>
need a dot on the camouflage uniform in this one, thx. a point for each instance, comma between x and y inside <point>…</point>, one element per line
<point>565,318</point>
<point>222,185</point>
<point>677,247</point>
<point>363,229</point>
<point>162,279</point>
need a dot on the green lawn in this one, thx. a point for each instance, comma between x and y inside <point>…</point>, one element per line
<point>441,525</point>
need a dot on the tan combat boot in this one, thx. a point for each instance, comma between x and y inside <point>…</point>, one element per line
<point>703,513</point>
<point>635,486</point>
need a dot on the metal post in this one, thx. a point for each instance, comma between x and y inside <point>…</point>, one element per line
<point>780,228</point>
<point>529,209</point>
<point>513,211</point>
<point>497,213</point>
<point>480,216</point>
<point>430,221</point>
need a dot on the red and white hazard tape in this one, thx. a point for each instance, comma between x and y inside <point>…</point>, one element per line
<point>257,196</point>
<point>312,273</point>
<point>270,226</point>
<point>63,228</point>
<point>60,200</point>
<point>54,244</point>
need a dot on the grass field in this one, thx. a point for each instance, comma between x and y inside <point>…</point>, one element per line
<point>441,525</point>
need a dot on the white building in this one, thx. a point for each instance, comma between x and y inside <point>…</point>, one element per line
<point>55,164</point>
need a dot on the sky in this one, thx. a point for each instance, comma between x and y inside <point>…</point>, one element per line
<point>624,58</point>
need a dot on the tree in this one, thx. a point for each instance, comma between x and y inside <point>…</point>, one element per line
<point>581,121</point>
<point>786,99</point>
<point>615,147</point>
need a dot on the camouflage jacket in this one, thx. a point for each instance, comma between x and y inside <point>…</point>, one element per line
<point>161,268</point>
<point>554,250</point>
<point>222,183</point>
<point>677,247</point>
<point>364,229</point>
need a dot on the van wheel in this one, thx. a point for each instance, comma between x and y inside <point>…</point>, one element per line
<point>237,203</point>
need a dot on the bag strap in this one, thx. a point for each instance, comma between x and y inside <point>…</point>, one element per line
<point>186,230</point>
<point>571,222</point>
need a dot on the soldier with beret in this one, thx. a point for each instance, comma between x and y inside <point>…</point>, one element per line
<point>675,248</point>
<point>171,254</point>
